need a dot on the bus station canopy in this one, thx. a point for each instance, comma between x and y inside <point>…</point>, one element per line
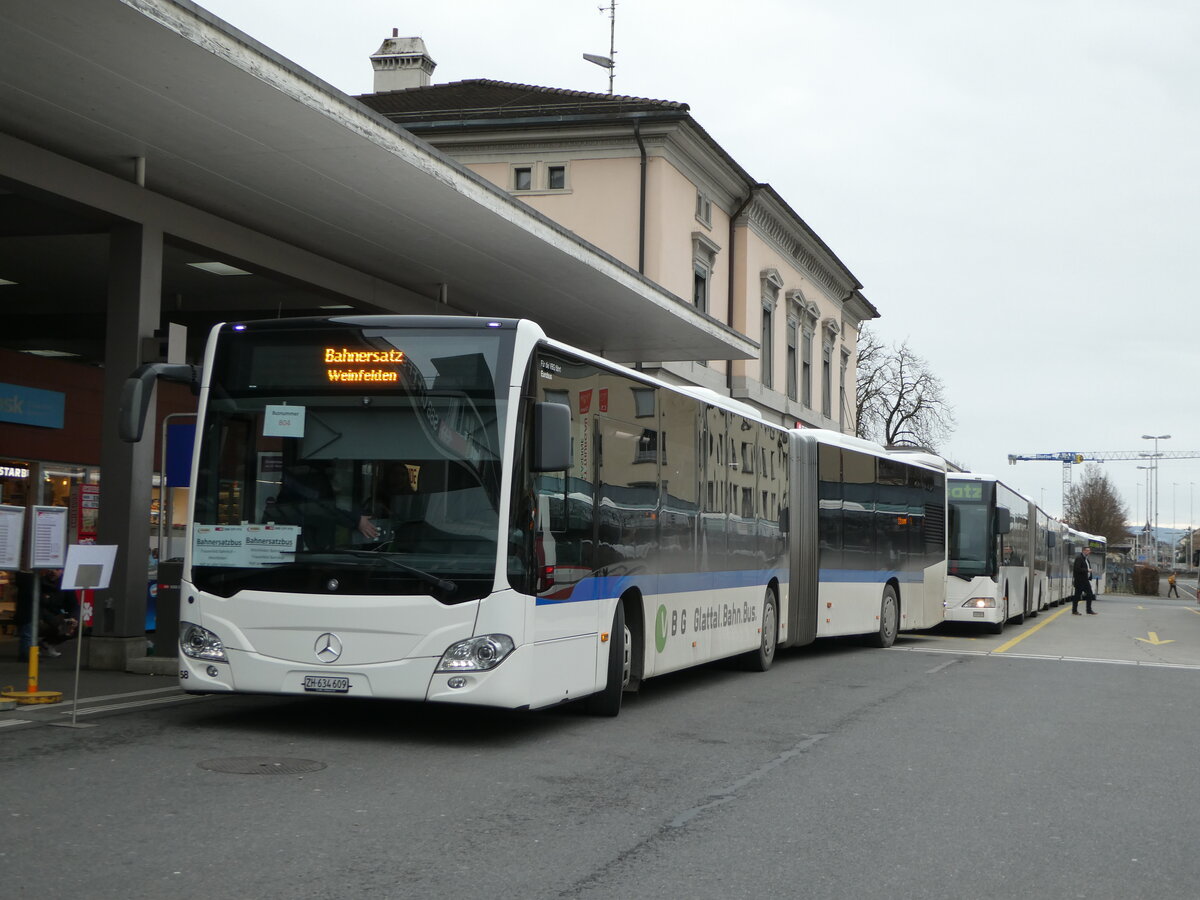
<point>156,111</point>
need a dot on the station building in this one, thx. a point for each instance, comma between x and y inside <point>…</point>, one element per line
<point>161,171</point>
<point>641,179</point>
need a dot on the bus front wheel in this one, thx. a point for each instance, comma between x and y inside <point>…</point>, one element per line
<point>1019,618</point>
<point>998,627</point>
<point>607,702</point>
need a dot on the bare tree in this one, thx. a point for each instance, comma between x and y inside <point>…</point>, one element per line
<point>898,399</point>
<point>869,373</point>
<point>1093,505</point>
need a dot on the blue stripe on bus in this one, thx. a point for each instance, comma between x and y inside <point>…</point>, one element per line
<point>611,586</point>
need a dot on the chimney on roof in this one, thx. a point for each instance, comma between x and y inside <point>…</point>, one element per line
<point>401,63</point>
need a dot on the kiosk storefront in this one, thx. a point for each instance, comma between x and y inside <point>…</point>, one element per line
<point>50,409</point>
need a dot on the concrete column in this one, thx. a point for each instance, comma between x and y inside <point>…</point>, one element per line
<point>134,301</point>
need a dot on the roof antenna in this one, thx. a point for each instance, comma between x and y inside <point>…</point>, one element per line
<point>608,62</point>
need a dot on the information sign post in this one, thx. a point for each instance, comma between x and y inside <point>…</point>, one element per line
<point>88,568</point>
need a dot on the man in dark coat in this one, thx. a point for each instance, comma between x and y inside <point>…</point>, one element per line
<point>1081,574</point>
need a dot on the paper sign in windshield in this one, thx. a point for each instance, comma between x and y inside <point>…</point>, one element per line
<point>244,546</point>
<point>283,421</point>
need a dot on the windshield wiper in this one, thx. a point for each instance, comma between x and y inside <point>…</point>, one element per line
<point>448,587</point>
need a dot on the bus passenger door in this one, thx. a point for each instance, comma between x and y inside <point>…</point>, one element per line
<point>627,500</point>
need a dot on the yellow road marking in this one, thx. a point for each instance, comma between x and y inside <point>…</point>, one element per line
<point>1154,639</point>
<point>1189,609</point>
<point>1024,634</point>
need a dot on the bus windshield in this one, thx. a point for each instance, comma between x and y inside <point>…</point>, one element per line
<point>352,460</point>
<point>972,540</point>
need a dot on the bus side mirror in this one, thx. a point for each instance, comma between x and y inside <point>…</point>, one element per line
<point>137,391</point>
<point>1003,521</point>
<point>551,437</point>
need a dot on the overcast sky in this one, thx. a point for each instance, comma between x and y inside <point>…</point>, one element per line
<point>1014,183</point>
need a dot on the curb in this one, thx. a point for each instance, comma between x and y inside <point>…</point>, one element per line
<point>153,665</point>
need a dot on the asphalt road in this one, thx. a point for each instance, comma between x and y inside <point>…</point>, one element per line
<point>1054,760</point>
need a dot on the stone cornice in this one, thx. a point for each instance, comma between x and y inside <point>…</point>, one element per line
<point>789,241</point>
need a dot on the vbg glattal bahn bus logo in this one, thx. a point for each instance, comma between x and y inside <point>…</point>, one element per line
<point>660,629</point>
<point>707,618</point>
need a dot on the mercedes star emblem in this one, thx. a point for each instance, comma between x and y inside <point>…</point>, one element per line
<point>328,647</point>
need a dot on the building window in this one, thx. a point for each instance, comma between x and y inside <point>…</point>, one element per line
<point>793,328</point>
<point>806,368</point>
<point>827,380</point>
<point>771,284</point>
<point>798,315</point>
<point>830,330</point>
<point>643,402</point>
<point>703,209</point>
<point>704,258</point>
<point>701,274</point>
<point>768,339</point>
<point>842,401</point>
<point>556,178</point>
<point>522,178</point>
<point>647,447</point>
<point>805,314</point>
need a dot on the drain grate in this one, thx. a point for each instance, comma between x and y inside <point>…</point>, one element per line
<point>261,765</point>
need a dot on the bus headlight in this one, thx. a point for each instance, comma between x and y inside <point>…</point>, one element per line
<point>477,654</point>
<point>200,643</point>
<point>981,603</point>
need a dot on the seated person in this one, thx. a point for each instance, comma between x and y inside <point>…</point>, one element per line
<point>306,498</point>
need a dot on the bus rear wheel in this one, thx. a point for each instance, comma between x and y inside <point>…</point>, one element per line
<point>889,619</point>
<point>607,702</point>
<point>760,660</point>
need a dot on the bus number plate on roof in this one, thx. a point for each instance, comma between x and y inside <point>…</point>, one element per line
<point>326,684</point>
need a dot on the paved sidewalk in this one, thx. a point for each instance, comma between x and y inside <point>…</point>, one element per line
<point>58,674</point>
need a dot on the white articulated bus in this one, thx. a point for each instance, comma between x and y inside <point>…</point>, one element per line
<point>997,557</point>
<point>461,510</point>
<point>1058,561</point>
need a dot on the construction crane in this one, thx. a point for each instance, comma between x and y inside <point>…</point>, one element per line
<point>1071,457</point>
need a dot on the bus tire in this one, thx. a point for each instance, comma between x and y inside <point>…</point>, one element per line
<point>760,660</point>
<point>607,701</point>
<point>998,627</point>
<point>1019,618</point>
<point>889,619</point>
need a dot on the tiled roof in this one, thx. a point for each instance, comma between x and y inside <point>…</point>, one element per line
<point>484,98</point>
